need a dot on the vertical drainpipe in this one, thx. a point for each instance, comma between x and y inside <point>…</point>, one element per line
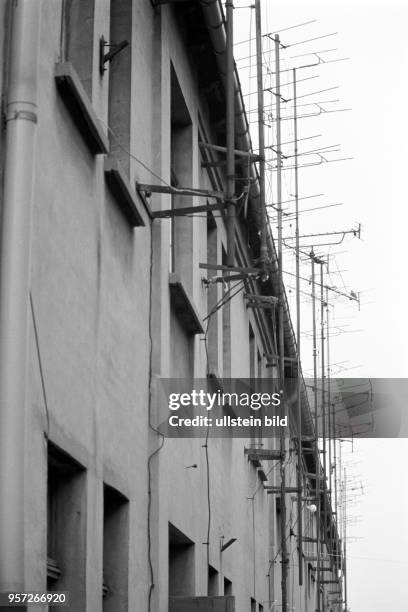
<point>15,238</point>
<point>230,118</point>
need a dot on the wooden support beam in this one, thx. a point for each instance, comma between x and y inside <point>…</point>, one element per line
<point>186,210</point>
<point>277,490</point>
<point>237,152</point>
<point>263,454</point>
<point>260,301</point>
<point>308,539</point>
<point>230,277</point>
<point>181,191</point>
<point>314,557</point>
<point>244,270</point>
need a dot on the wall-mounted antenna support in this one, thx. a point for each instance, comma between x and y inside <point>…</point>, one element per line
<point>108,57</point>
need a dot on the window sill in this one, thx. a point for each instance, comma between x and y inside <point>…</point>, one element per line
<point>183,306</point>
<point>123,193</point>
<point>80,108</point>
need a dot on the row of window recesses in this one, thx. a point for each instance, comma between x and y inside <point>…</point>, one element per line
<point>67,530</point>
<point>66,544</point>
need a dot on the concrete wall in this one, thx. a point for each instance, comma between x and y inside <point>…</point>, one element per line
<point>105,327</point>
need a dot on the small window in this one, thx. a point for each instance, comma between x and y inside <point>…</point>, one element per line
<point>227,586</point>
<point>66,525</point>
<point>115,550</point>
<point>120,82</point>
<point>181,563</point>
<point>213,577</point>
<point>253,605</point>
<point>181,167</point>
<point>77,37</point>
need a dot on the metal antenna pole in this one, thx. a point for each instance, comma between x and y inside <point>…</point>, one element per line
<point>329,411</point>
<point>335,471</point>
<point>261,136</point>
<point>345,542</point>
<point>230,118</point>
<point>317,455</point>
<point>322,350</point>
<point>284,552</point>
<point>298,398</point>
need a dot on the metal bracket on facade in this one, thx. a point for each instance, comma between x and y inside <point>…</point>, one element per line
<point>179,191</point>
<point>107,57</point>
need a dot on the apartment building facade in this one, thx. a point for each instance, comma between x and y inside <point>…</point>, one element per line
<point>107,109</point>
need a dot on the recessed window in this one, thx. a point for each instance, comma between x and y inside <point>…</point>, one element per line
<point>66,526</point>
<point>115,550</point>
<point>77,37</point>
<point>213,581</point>
<point>120,82</point>
<point>181,563</point>
<point>227,586</point>
<point>181,167</point>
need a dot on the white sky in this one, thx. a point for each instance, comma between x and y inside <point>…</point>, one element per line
<point>373,188</point>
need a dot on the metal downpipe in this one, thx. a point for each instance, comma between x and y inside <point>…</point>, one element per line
<point>15,238</point>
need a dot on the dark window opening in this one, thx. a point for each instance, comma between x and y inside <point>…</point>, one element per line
<point>213,577</point>
<point>66,525</point>
<point>181,563</point>
<point>120,82</point>
<point>115,550</point>
<point>181,165</point>
<point>78,37</point>
<point>227,586</point>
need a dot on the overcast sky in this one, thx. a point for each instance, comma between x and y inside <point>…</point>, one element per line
<point>370,342</point>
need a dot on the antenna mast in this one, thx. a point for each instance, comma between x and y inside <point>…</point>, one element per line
<point>284,553</point>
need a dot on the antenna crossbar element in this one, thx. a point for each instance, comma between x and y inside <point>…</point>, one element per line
<point>355,232</point>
